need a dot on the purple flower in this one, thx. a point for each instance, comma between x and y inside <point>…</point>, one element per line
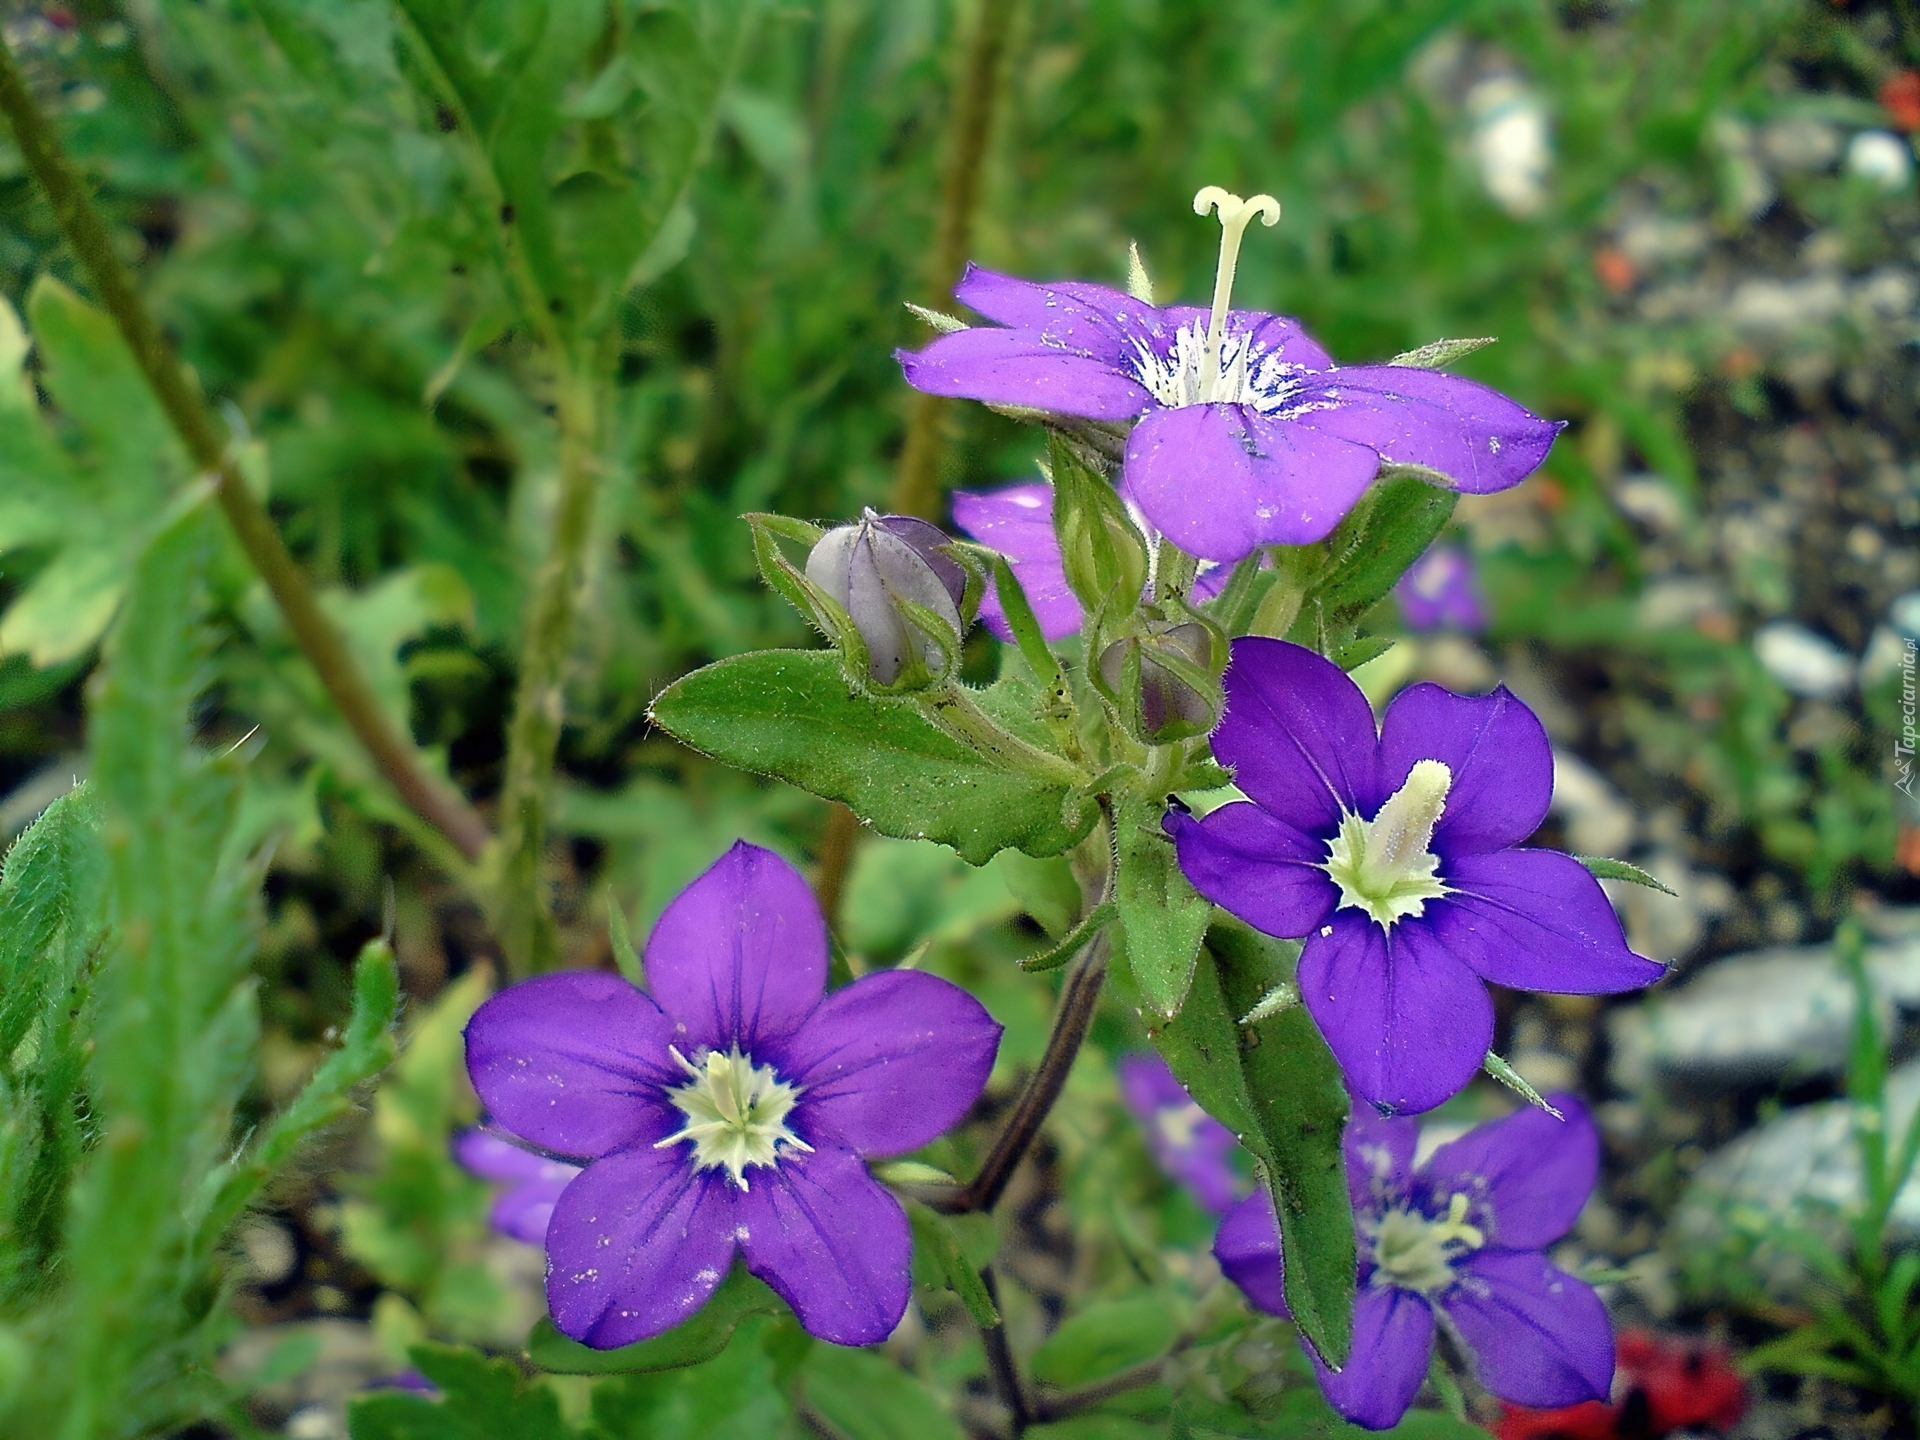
<point>1441,590</point>
<point>1463,1232</point>
<point>533,1182</point>
<point>1248,433</point>
<point>1191,1146</point>
<point>1394,857</point>
<point>1017,520</point>
<point>730,1111</point>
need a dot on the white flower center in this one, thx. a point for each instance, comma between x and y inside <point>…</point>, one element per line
<point>1384,865</point>
<point>1178,1123</point>
<point>1412,1251</point>
<point>736,1113</point>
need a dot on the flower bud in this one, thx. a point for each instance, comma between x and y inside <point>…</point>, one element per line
<point>1101,550</point>
<point>902,593</point>
<point>1173,673</point>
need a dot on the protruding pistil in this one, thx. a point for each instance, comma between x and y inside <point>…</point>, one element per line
<point>1235,215</point>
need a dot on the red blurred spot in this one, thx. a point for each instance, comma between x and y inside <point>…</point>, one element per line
<point>1900,98</point>
<point>1739,362</point>
<point>57,16</point>
<point>1614,269</point>
<point>1906,849</point>
<point>1549,493</point>
<point>1662,1384</point>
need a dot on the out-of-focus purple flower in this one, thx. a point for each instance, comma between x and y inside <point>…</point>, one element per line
<point>1191,1146</point>
<point>1441,590</point>
<point>532,1183</point>
<point>1248,433</point>
<point>1017,520</point>
<point>730,1111</point>
<point>412,1381</point>
<point>1465,1233</point>
<point>1395,857</point>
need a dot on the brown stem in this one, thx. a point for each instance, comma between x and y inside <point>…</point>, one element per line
<point>1000,1366</point>
<point>915,487</point>
<point>1048,1408</point>
<point>837,841</point>
<point>1079,998</point>
<point>206,442</point>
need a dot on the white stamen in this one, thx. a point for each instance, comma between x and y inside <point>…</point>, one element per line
<point>736,1113</point>
<point>1235,215</point>
<point>1385,865</point>
<point>1413,1252</point>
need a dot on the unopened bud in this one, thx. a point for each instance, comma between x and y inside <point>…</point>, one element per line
<point>1178,687</point>
<point>1101,549</point>
<point>904,596</point>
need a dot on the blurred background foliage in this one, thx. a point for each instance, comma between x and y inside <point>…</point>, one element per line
<point>307,223</point>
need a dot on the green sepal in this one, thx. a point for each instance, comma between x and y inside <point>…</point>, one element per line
<point>1101,550</point>
<point>1020,619</point>
<point>621,942</point>
<point>791,715</point>
<point>1275,1084</point>
<point>701,1336</point>
<point>1355,653</point>
<point>1605,869</point>
<point>1164,917</point>
<point>1437,354</point>
<point>1373,547</point>
<point>1446,1387</point>
<point>950,1248</point>
<point>1064,949</point>
<point>1233,608</point>
<point>930,623</point>
<point>816,607</point>
<point>1497,1068</point>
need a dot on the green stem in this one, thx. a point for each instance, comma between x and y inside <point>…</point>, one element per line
<point>206,442</point>
<point>523,920</point>
<point>955,711</point>
<point>915,488</point>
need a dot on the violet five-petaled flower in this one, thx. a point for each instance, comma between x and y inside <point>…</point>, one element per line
<point>531,1182</point>
<point>729,1111</point>
<point>1017,520</point>
<point>1189,1144</point>
<point>1441,590</point>
<point>1394,856</point>
<point>1248,434</point>
<point>1457,1240</point>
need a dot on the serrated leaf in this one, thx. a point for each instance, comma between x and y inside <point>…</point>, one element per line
<point>1606,869</point>
<point>701,1336</point>
<point>1278,1088</point>
<point>1164,917</point>
<point>789,714</point>
<point>480,1399</point>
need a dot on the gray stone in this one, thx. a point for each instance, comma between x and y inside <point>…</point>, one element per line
<point>1800,142</point>
<point>1762,1016</point>
<point>1598,818</point>
<point>1667,927</point>
<point>1803,662</point>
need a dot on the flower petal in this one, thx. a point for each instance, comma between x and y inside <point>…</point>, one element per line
<point>1256,866</point>
<point>1017,520</point>
<point>492,1158</point>
<point>1247,1245</point>
<point>636,1245</point>
<point>1497,750</point>
<point>1528,1175</point>
<point>1299,735</point>
<point>1379,1151</point>
<point>1541,1338</point>
<point>832,1241</point>
<point>740,956</point>
<point>1475,436</point>
<point>575,1062</point>
<point>889,1062</point>
<point>1408,1022</point>
<point>1392,1340</point>
<point>1536,920</point>
<point>1189,1145</point>
<point>1017,367</point>
<point>1074,315</point>
<point>1221,480</point>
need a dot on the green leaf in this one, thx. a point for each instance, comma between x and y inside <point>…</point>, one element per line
<point>1384,534</point>
<point>1607,869</point>
<point>940,1240</point>
<point>701,1336</point>
<point>1164,917</point>
<point>481,1399</point>
<point>789,714</point>
<point>865,1396</point>
<point>1105,1338</point>
<point>1275,1084</point>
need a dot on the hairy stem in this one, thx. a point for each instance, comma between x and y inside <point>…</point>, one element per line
<point>205,440</point>
<point>837,840</point>
<point>523,921</point>
<point>916,489</point>
<point>1079,998</point>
